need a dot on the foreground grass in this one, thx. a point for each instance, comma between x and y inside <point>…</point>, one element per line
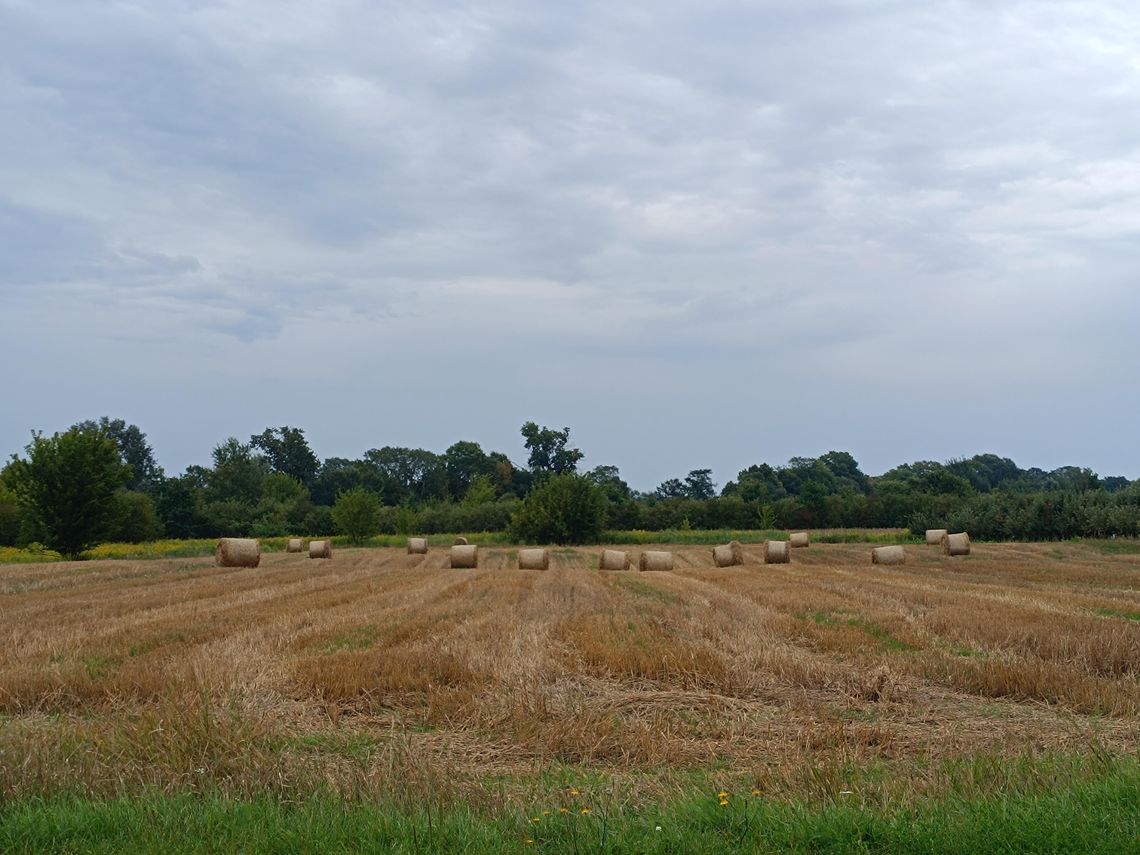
<point>1096,815</point>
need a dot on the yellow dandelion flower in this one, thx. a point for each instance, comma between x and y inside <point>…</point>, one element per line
<point>535,819</point>
<point>546,813</point>
<point>574,791</point>
<point>564,810</point>
<point>722,794</point>
<point>529,841</point>
<point>755,791</point>
<point>724,802</point>
<point>585,811</point>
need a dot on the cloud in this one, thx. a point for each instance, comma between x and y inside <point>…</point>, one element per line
<point>552,212</point>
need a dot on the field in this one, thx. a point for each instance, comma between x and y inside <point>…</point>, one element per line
<point>574,704</point>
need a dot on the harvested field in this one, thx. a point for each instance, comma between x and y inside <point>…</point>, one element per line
<point>378,670</point>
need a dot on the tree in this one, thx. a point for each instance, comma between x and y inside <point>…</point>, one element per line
<point>357,514</point>
<point>134,450</point>
<point>610,480</point>
<point>288,452</point>
<point>567,508</point>
<point>68,485</point>
<point>480,491</point>
<point>699,484</point>
<point>408,474</point>
<point>548,452</point>
<point>464,462</point>
<point>136,520</point>
<point>9,517</point>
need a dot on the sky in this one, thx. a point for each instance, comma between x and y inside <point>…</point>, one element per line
<point>700,234</point>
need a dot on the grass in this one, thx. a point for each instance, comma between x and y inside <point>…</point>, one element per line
<point>1100,814</point>
<point>716,536</point>
<point>876,709</point>
<point>203,547</point>
<point>1127,614</point>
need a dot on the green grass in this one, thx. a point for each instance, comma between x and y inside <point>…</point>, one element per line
<point>1119,613</point>
<point>885,639</point>
<point>644,589</point>
<point>1119,546</point>
<point>1099,814</point>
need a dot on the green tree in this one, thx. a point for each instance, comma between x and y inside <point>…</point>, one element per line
<point>288,452</point>
<point>480,491</point>
<point>357,514</point>
<point>464,462</point>
<point>68,485</point>
<point>566,508</point>
<point>135,451</point>
<point>136,520</point>
<point>699,484</point>
<point>9,517</point>
<point>549,454</point>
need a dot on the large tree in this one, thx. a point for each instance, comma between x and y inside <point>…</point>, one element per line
<point>288,452</point>
<point>134,450</point>
<point>549,454</point>
<point>68,484</point>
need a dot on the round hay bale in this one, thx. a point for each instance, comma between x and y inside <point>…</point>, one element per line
<point>956,544</point>
<point>295,544</point>
<point>320,549</point>
<point>614,559</point>
<point>728,555</point>
<point>659,561</point>
<point>534,559</point>
<point>777,552</point>
<point>799,540</point>
<point>464,556</point>
<point>417,546</point>
<point>888,555</point>
<point>459,541</point>
<point>237,552</point>
<point>934,536</point>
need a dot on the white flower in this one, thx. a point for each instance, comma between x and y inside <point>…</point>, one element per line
<point>658,828</point>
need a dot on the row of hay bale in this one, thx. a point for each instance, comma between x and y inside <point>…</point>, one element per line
<point>246,551</point>
<point>957,544</point>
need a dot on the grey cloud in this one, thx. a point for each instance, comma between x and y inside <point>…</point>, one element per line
<point>589,203</point>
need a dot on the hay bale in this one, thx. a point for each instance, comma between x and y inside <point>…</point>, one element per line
<point>464,556</point>
<point>777,552</point>
<point>956,544</point>
<point>417,546</point>
<point>888,555</point>
<point>534,559</point>
<point>295,544</point>
<point>728,555</point>
<point>799,540</point>
<point>459,541</point>
<point>660,561</point>
<point>934,536</point>
<point>237,552</point>
<point>614,559</point>
<point>320,549</point>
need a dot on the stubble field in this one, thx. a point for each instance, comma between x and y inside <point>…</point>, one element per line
<point>381,675</point>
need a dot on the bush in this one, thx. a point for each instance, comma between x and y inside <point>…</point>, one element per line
<point>563,509</point>
<point>357,514</point>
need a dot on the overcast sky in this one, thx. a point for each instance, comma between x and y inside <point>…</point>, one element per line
<point>700,234</point>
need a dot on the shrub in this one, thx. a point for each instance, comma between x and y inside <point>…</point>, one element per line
<point>563,509</point>
<point>357,514</point>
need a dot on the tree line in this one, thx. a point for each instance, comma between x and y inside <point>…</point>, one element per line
<point>99,481</point>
